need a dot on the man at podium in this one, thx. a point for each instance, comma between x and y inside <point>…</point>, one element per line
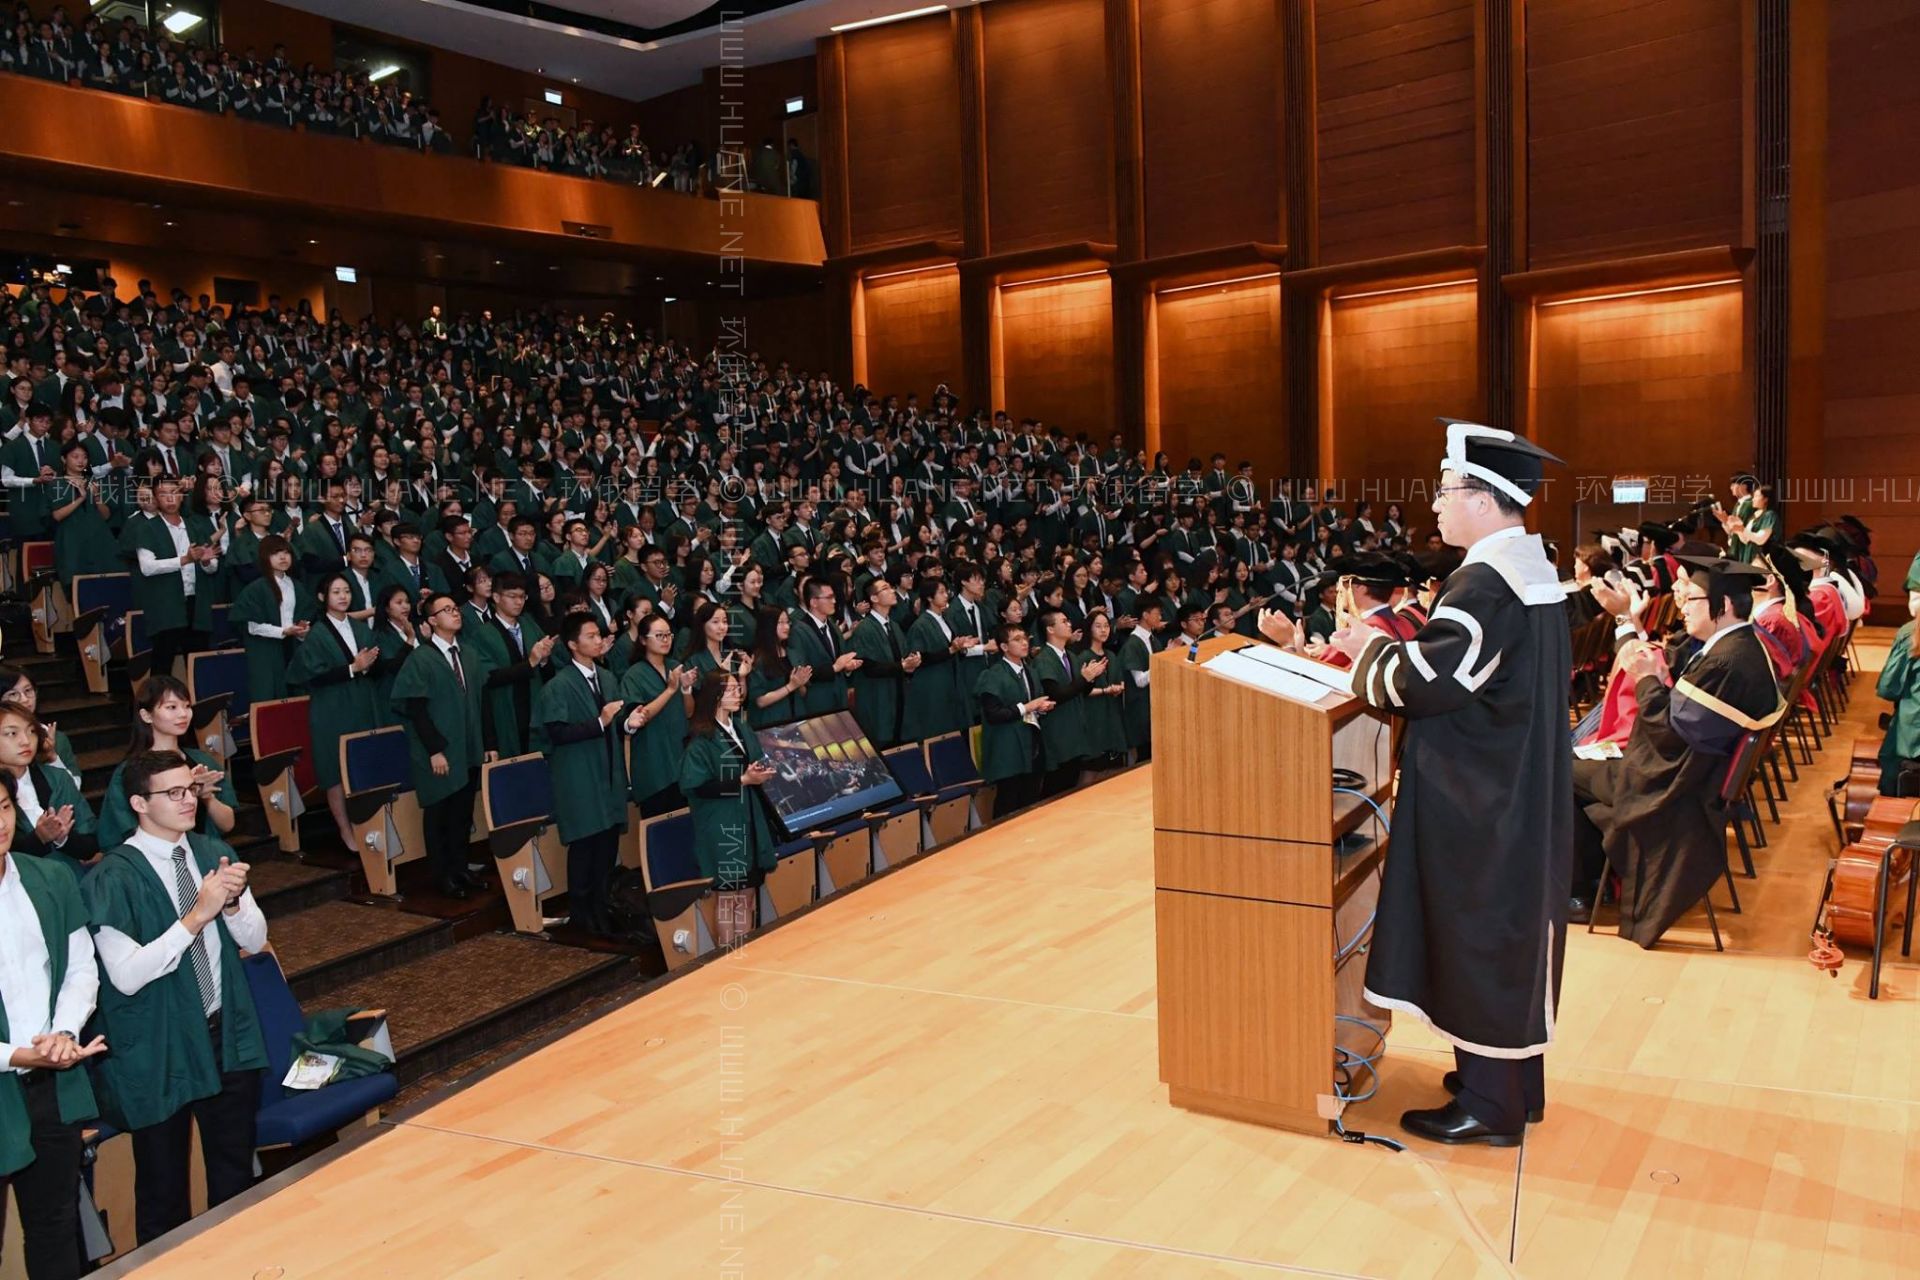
<point>1473,902</point>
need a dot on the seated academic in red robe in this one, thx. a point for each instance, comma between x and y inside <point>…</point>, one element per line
<point>1375,580</point>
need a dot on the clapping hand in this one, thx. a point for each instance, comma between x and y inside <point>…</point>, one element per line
<point>688,677</point>
<point>365,658</point>
<point>911,662</point>
<point>1640,661</point>
<point>611,709</point>
<point>756,773</point>
<point>1098,667</point>
<point>798,677</point>
<point>1040,706</point>
<point>1278,627</point>
<point>54,824</point>
<point>55,1052</point>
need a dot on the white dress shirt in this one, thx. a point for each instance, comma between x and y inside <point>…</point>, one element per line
<point>343,627</point>
<point>152,566</point>
<point>27,801</point>
<point>26,972</point>
<point>1140,677</point>
<point>277,630</point>
<point>130,966</point>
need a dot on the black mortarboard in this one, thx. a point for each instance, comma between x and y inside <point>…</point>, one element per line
<point>1512,464</point>
<point>1709,572</point>
<point>1374,570</point>
<point>1660,535</point>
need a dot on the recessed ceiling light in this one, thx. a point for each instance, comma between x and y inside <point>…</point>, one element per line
<point>313,242</point>
<point>169,224</point>
<point>554,267</point>
<point>496,262</point>
<point>180,20</point>
<point>671,299</point>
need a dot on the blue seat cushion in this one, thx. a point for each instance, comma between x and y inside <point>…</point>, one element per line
<point>299,1116</point>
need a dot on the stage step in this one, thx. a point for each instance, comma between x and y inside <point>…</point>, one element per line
<point>456,1002</point>
<point>334,943</point>
<point>283,886</point>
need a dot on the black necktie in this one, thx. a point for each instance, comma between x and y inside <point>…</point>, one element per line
<point>453,656</point>
<point>826,637</point>
<point>339,537</point>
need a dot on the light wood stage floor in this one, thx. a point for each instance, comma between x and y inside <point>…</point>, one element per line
<point>952,1072</point>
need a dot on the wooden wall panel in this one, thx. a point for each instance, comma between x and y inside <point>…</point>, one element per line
<point>1634,111</point>
<point>1873,276</point>
<point>1217,367</point>
<point>1049,124</point>
<point>1649,384</point>
<point>903,133</point>
<point>1209,85</point>
<point>908,331</point>
<point>1395,96</point>
<point>1394,363</point>
<point>1054,355</point>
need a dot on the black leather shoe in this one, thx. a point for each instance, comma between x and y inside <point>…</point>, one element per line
<point>1579,910</point>
<point>1451,1083</point>
<point>473,882</point>
<point>1452,1125</point>
<point>455,889</point>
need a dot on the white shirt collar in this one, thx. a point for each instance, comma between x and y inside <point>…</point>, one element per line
<point>591,673</point>
<point>443,646</point>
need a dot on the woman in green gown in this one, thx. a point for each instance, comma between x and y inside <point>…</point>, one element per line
<point>775,685</point>
<point>396,638</point>
<point>163,721</point>
<point>53,820</point>
<point>660,687</point>
<point>333,666</point>
<point>81,540</point>
<point>273,615</point>
<point>721,778</point>
<point>935,703</point>
<point>1101,715</point>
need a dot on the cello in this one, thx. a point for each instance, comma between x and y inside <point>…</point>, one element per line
<point>1852,796</point>
<point>1853,882</point>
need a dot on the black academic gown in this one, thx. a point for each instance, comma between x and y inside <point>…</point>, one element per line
<point>1472,919</point>
<point>1658,806</point>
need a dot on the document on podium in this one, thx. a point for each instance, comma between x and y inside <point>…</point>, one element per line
<point>1235,666</point>
<point>1339,679</point>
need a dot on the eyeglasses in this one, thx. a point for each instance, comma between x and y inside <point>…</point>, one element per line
<point>176,794</point>
<point>1458,488</point>
<point>1683,599</point>
<point>445,608</point>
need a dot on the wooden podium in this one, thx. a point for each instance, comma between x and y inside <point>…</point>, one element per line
<point>1262,875</point>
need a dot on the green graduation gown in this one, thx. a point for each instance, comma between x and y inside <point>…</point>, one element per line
<point>653,755</point>
<point>967,672</point>
<point>394,651</point>
<point>338,703</point>
<point>162,597</point>
<point>427,675</point>
<point>161,1058</point>
<point>29,508</point>
<point>1136,711</point>
<point>827,691</point>
<point>880,686</point>
<point>117,819</point>
<point>1102,718</point>
<point>731,837</point>
<point>267,657</point>
<point>55,895</point>
<point>590,775</point>
<point>82,542</point>
<point>1008,749</point>
<point>935,704</point>
<point>781,710</point>
<point>1063,735</point>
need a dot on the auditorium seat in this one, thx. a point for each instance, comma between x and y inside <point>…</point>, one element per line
<point>948,804</point>
<point>136,650</point>
<point>222,673</point>
<point>43,589</point>
<point>289,1117</point>
<point>793,882</point>
<point>898,828</point>
<point>679,896</point>
<point>516,806</point>
<point>100,604</point>
<point>963,796</point>
<point>376,776</point>
<point>281,738</point>
<point>843,854</point>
